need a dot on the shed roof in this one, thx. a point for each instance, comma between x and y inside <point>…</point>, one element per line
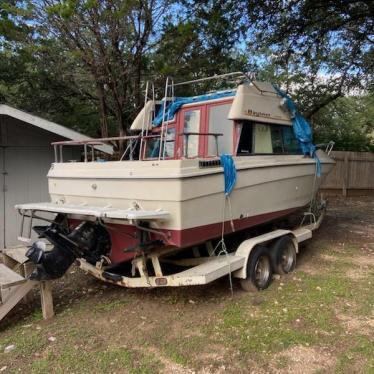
<point>48,125</point>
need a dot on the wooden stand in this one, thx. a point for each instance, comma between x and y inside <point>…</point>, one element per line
<point>46,299</point>
<point>14,285</point>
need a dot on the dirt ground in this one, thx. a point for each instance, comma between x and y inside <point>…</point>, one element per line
<point>319,319</point>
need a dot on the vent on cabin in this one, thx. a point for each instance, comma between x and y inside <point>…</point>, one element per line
<point>209,163</point>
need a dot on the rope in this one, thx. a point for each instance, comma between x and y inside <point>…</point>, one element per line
<point>314,190</point>
<point>314,194</point>
<point>229,173</point>
<point>222,243</point>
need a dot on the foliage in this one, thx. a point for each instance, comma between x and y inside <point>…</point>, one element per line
<point>108,41</point>
<point>200,42</point>
<point>83,63</point>
<point>349,122</point>
<point>321,50</point>
<point>38,86</point>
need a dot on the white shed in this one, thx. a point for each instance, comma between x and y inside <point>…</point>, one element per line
<point>25,157</point>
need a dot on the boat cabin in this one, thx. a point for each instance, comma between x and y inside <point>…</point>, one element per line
<point>250,120</point>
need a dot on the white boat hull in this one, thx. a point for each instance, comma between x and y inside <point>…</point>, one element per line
<point>267,187</point>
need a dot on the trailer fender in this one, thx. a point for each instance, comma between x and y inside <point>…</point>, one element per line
<point>246,247</point>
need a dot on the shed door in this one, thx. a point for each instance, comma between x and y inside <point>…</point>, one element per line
<point>24,182</point>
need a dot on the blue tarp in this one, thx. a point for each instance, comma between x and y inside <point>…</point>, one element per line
<point>229,171</point>
<point>301,129</point>
<point>173,106</point>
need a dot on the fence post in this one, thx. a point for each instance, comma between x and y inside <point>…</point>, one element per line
<point>345,175</point>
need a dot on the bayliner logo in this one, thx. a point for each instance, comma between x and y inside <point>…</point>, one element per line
<point>253,113</point>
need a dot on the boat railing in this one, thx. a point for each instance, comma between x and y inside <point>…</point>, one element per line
<point>149,87</point>
<point>89,146</point>
<point>236,74</point>
<point>169,93</point>
<point>188,134</point>
<point>328,146</point>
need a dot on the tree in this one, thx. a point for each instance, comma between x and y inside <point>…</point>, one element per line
<point>71,59</point>
<point>32,77</point>
<point>201,41</point>
<point>80,56</point>
<point>319,49</point>
<point>13,16</point>
<point>108,40</point>
<point>349,122</point>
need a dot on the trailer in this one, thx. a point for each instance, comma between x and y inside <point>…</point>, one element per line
<point>254,261</point>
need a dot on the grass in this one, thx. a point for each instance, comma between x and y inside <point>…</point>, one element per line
<point>302,312</point>
<point>361,351</point>
<point>40,366</point>
<point>299,310</point>
<point>26,342</point>
<point>109,360</point>
<point>110,305</point>
<point>173,352</point>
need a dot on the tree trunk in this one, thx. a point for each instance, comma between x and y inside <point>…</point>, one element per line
<point>121,129</point>
<point>103,110</point>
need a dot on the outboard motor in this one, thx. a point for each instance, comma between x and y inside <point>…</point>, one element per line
<point>88,240</point>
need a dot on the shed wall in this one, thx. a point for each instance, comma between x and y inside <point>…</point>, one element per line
<point>25,158</point>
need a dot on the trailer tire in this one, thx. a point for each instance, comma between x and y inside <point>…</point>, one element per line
<point>259,270</point>
<point>283,254</point>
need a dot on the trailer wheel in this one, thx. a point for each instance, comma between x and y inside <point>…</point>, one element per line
<point>283,254</point>
<point>259,270</point>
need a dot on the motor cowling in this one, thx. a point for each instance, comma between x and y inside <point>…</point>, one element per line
<point>89,240</point>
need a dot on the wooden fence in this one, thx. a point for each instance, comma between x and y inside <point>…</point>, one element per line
<point>353,174</point>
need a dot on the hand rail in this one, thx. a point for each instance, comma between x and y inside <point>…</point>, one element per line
<point>58,146</point>
<point>187,135</point>
<point>145,124</point>
<point>165,116</point>
<point>202,133</point>
<point>99,141</point>
<point>328,146</point>
<point>240,73</point>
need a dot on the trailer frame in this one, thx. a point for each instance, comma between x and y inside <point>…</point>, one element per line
<point>203,270</point>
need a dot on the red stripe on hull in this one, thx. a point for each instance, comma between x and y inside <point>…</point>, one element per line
<point>197,235</point>
<point>126,236</point>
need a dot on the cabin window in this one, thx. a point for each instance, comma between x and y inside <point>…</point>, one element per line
<point>290,143</point>
<point>153,145</point>
<point>152,148</point>
<point>261,138</point>
<point>191,125</point>
<point>276,139</point>
<point>245,139</point>
<point>218,123</point>
<point>170,142</point>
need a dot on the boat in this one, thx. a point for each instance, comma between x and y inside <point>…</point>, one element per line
<point>167,192</point>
